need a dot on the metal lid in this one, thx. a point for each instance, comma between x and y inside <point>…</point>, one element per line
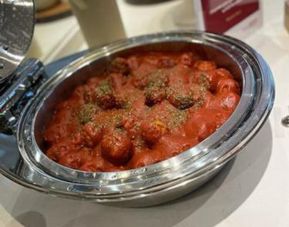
<point>16,31</point>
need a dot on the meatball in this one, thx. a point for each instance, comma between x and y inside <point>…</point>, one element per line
<point>51,153</point>
<point>216,75</point>
<point>104,95</point>
<point>141,75</point>
<point>119,65</point>
<point>116,80</point>
<point>222,73</point>
<point>153,131</point>
<point>91,165</point>
<point>91,135</point>
<point>154,94</point>
<point>155,91</point>
<point>228,85</point>
<point>144,158</point>
<point>116,146</point>
<point>187,59</point>
<point>175,144</point>
<point>205,65</point>
<point>89,90</point>
<point>229,101</point>
<point>71,159</point>
<point>180,97</point>
<point>166,62</point>
<point>202,124</point>
<point>205,129</point>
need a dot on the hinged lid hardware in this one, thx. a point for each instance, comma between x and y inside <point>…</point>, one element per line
<point>20,89</point>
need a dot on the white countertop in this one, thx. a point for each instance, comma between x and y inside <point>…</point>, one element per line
<point>253,190</point>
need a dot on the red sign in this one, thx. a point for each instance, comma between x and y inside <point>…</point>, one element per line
<point>221,15</point>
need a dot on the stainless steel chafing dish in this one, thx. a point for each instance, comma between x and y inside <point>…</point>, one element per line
<point>28,97</point>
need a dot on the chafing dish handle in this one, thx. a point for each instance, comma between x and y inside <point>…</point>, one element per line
<point>16,93</point>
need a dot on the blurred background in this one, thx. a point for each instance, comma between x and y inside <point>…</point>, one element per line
<point>68,26</point>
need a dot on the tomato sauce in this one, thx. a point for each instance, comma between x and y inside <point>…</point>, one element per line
<point>145,108</point>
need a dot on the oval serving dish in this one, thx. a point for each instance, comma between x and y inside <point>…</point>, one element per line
<point>165,180</point>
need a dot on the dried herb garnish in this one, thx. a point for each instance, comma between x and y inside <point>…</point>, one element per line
<point>204,82</point>
<point>119,65</point>
<point>178,117</point>
<point>104,88</point>
<point>86,113</point>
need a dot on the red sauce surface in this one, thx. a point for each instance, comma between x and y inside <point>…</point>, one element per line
<point>146,108</point>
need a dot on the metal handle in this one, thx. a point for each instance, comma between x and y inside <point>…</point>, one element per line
<point>17,92</point>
